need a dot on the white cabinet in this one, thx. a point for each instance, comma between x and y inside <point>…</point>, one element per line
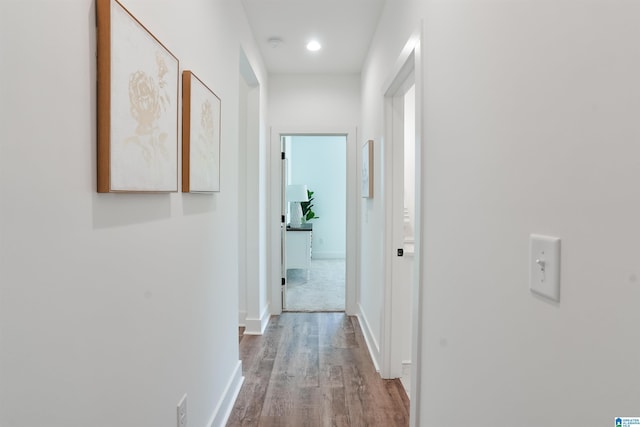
<point>299,248</point>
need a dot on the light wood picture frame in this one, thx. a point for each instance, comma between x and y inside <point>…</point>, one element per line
<point>367,170</point>
<point>201,133</point>
<point>138,83</point>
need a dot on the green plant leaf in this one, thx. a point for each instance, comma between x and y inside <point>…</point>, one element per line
<point>307,213</point>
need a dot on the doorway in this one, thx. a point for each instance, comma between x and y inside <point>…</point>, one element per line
<point>315,196</point>
<point>403,297</point>
<point>277,212</point>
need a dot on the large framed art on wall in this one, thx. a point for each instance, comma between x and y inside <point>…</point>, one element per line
<point>138,80</point>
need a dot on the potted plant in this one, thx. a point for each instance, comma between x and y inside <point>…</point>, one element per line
<point>307,213</point>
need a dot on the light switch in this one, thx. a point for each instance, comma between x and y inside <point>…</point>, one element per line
<point>544,266</point>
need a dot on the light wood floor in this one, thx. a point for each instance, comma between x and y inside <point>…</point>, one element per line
<point>313,369</point>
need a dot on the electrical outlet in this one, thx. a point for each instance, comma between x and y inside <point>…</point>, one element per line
<point>182,412</point>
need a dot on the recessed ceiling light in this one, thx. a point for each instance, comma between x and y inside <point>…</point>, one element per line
<point>313,46</point>
<point>274,42</point>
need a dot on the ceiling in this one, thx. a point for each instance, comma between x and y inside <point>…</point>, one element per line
<point>344,28</point>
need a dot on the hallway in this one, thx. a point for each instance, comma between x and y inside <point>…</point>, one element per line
<point>313,369</point>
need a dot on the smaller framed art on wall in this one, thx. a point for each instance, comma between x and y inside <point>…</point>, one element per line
<point>201,119</point>
<point>367,170</point>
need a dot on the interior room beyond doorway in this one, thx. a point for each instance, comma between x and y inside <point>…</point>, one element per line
<point>316,249</point>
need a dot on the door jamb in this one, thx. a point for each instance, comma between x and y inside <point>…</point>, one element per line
<point>352,243</point>
<point>408,62</point>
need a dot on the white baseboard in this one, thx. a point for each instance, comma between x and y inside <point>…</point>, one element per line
<point>225,405</point>
<point>328,255</point>
<point>369,338</point>
<point>406,377</point>
<point>242,318</point>
<point>257,326</point>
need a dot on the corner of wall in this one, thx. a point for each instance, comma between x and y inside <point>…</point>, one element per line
<point>242,318</point>
<point>257,326</point>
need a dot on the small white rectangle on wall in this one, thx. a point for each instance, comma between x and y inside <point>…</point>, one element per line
<point>544,266</point>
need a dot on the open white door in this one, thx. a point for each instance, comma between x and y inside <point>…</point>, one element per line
<point>283,226</point>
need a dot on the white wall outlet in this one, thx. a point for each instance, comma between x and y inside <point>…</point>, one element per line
<point>182,412</point>
<point>544,266</point>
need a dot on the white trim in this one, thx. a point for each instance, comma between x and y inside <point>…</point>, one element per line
<point>393,161</point>
<point>225,405</point>
<point>406,369</point>
<point>252,242</point>
<point>401,79</point>
<point>369,338</point>
<point>419,286</point>
<point>408,65</point>
<point>257,326</point>
<point>352,184</point>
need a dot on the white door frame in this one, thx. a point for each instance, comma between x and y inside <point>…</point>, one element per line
<point>283,225</point>
<point>408,64</point>
<point>275,196</point>
<point>252,245</point>
<point>393,239</point>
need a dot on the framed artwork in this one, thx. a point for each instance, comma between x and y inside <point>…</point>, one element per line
<point>367,169</point>
<point>138,82</point>
<point>201,118</point>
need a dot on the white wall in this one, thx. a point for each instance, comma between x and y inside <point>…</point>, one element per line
<point>314,100</point>
<point>243,252</point>
<point>410,161</point>
<point>112,306</point>
<point>320,163</point>
<point>530,116</point>
<point>306,104</point>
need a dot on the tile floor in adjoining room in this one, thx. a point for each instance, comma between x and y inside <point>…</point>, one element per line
<point>322,288</point>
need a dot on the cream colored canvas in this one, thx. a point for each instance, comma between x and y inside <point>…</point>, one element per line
<point>144,106</point>
<point>205,139</point>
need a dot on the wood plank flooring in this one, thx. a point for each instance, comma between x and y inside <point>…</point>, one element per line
<point>314,369</point>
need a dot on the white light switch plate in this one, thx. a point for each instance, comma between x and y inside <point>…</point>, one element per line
<point>544,266</point>
<point>182,412</point>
